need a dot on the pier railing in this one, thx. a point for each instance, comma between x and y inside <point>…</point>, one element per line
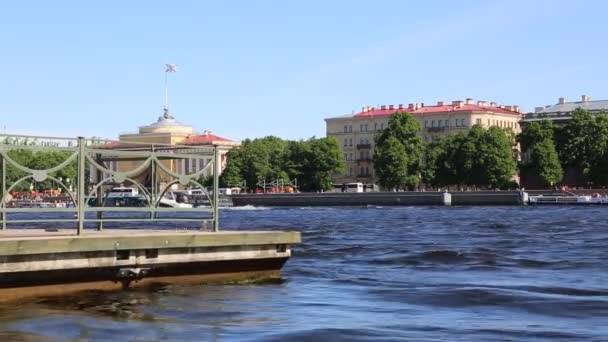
<point>70,181</point>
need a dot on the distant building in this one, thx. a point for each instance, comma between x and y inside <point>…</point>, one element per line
<point>356,132</point>
<point>561,112</point>
<point>168,131</point>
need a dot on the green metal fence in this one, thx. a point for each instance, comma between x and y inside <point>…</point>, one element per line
<point>98,166</point>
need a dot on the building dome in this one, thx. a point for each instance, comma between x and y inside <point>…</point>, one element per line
<point>166,123</point>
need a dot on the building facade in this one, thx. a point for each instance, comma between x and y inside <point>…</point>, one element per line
<point>355,133</point>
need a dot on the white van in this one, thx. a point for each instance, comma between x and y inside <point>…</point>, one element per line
<point>354,187</point>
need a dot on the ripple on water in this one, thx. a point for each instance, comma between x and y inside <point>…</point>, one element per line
<point>412,273</point>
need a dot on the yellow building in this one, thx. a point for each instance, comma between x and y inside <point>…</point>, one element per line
<point>168,131</point>
<point>356,132</point>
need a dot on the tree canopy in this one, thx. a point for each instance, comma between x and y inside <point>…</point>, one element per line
<point>401,136</point>
<point>583,144</point>
<point>311,162</point>
<point>539,151</point>
<point>480,158</point>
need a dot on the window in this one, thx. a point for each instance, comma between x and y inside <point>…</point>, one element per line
<point>426,138</point>
<point>151,253</point>
<point>350,141</point>
<point>350,129</point>
<point>345,141</point>
<point>426,124</point>
<point>433,123</point>
<point>361,127</point>
<point>345,156</point>
<point>376,126</point>
<point>350,171</point>
<point>122,255</point>
<point>345,129</point>
<point>489,123</point>
<point>350,156</point>
<point>478,121</point>
<point>365,127</point>
<point>361,171</point>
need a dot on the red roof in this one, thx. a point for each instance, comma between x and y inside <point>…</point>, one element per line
<point>204,139</point>
<point>436,109</point>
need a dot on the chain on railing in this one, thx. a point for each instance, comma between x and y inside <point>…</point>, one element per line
<point>110,164</point>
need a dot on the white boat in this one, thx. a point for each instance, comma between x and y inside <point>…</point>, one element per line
<point>541,199</point>
<point>122,191</point>
<point>173,199</point>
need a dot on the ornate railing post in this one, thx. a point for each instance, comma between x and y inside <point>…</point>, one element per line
<point>100,194</point>
<point>3,204</point>
<point>216,189</point>
<point>81,196</point>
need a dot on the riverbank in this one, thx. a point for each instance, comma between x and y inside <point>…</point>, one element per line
<point>410,198</point>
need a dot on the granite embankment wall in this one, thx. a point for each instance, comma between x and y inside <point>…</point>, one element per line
<point>378,198</point>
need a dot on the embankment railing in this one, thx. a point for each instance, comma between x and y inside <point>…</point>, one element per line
<point>86,170</point>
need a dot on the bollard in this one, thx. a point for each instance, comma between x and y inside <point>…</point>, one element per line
<point>447,198</point>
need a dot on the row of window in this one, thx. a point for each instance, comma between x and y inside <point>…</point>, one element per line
<point>436,123</point>
<point>362,155</point>
<point>443,123</point>
<point>363,171</point>
<point>349,141</point>
<point>499,123</point>
<point>364,127</point>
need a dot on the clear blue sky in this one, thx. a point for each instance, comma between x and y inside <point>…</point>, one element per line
<point>255,68</point>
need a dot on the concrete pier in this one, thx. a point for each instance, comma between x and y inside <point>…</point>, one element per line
<point>40,263</point>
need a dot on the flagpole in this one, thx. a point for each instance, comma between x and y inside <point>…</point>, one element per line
<point>166,106</point>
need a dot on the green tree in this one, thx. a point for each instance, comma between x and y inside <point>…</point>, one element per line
<point>311,162</point>
<point>263,159</point>
<point>546,162</point>
<point>583,144</point>
<point>496,158</point>
<point>406,131</point>
<point>479,158</point>
<point>231,176</point>
<point>540,154</point>
<point>391,164</point>
<point>322,157</point>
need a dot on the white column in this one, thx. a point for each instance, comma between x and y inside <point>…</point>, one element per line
<point>183,166</point>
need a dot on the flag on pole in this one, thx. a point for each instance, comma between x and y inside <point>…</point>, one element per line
<point>171,68</point>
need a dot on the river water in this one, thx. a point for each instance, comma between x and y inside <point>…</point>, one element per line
<point>393,273</point>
